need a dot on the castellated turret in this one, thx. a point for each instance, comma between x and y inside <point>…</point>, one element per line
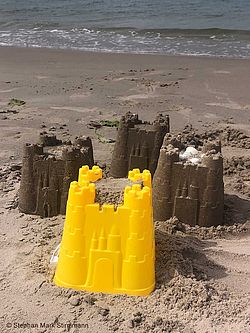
<point>138,144</point>
<point>192,190</point>
<point>47,173</point>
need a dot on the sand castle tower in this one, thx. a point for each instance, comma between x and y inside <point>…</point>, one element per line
<point>47,174</point>
<point>27,191</point>
<point>193,192</point>
<point>137,144</point>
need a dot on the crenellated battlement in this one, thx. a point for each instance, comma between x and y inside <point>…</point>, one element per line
<point>30,150</point>
<point>136,197</point>
<point>78,193</point>
<point>116,244</point>
<point>91,175</point>
<point>135,175</point>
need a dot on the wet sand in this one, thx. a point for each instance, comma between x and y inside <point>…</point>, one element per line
<point>75,87</point>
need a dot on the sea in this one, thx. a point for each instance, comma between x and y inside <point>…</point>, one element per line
<point>176,27</point>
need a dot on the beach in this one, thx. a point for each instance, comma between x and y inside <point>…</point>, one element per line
<point>63,92</point>
<point>75,87</point>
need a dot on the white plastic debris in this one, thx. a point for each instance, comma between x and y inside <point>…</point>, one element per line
<point>54,257</point>
<point>195,160</point>
<point>189,153</point>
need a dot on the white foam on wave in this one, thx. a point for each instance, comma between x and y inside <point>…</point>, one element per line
<point>122,42</point>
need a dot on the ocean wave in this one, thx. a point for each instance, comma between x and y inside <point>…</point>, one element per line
<point>209,42</point>
<point>183,32</point>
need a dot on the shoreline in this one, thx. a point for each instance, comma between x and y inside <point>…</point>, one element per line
<point>77,50</point>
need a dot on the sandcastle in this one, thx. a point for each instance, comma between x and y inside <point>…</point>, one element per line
<point>47,173</point>
<point>138,144</point>
<point>191,191</point>
<point>104,249</point>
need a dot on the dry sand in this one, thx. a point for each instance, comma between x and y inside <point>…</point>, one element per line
<point>202,274</point>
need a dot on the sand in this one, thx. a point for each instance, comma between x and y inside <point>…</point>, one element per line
<point>202,273</point>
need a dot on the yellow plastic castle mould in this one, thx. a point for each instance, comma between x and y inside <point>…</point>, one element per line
<point>108,250</point>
